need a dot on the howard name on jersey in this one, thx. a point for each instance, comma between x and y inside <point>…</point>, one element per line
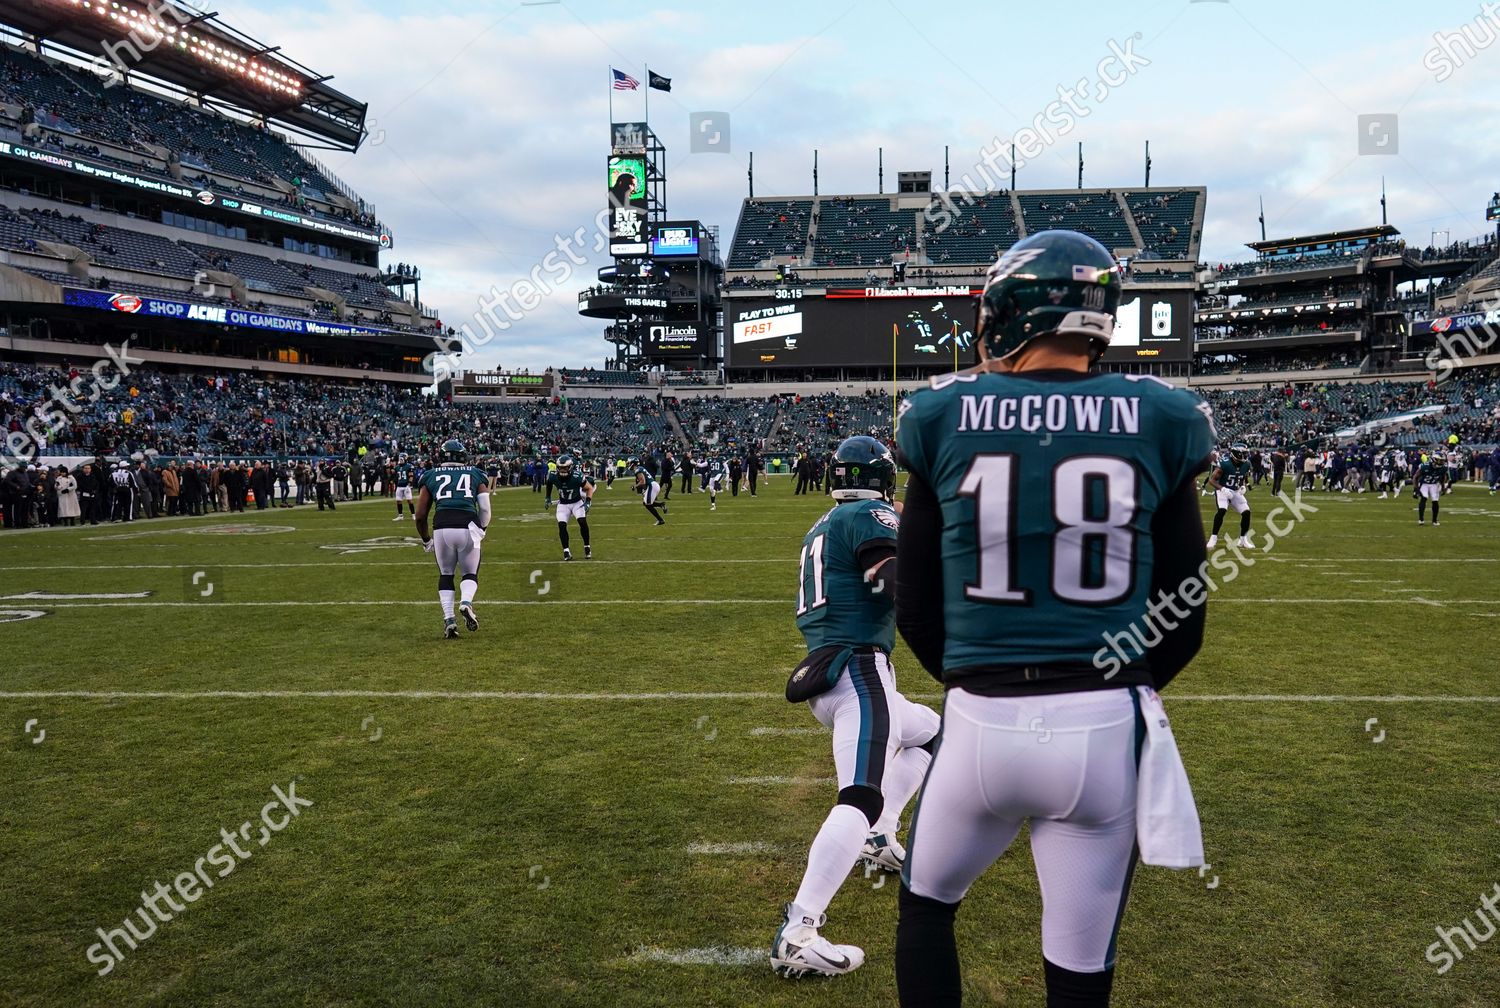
<point>1049,481</point>
<point>834,603</point>
<point>454,487</point>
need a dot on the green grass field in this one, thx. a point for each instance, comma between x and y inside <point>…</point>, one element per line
<point>519,817</point>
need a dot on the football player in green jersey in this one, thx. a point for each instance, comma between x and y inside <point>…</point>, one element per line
<point>1432,475</point>
<point>460,495</point>
<point>1045,505</point>
<point>1229,480</point>
<point>648,488</point>
<point>406,476</point>
<point>575,493</point>
<point>882,742</point>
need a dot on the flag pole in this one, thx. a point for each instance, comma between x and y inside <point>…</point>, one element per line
<point>894,330</point>
<point>647,88</point>
<point>611,98</point>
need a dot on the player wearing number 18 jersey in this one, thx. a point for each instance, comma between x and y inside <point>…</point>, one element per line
<point>460,495</point>
<point>1046,506</point>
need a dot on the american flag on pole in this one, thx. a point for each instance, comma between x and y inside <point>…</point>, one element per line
<point>623,81</point>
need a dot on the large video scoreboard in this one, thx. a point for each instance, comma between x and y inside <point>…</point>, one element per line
<point>871,326</point>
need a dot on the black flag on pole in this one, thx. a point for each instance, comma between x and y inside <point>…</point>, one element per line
<point>656,80</point>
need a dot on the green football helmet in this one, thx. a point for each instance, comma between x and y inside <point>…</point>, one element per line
<point>862,469</point>
<point>1238,451</point>
<point>454,451</point>
<point>564,465</point>
<point>1050,282</point>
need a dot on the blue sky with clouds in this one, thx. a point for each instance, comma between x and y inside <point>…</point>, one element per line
<point>492,116</point>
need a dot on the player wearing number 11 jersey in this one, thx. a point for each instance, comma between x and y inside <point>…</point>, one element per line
<point>882,742</point>
<point>1046,506</point>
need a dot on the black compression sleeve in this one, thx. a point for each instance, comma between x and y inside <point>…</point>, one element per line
<point>919,577</point>
<point>874,553</point>
<point>1179,552</point>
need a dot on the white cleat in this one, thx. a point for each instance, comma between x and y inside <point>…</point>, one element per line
<point>467,612</point>
<point>1213,541</point>
<point>397,518</point>
<point>1243,542</point>
<point>798,950</point>
<point>883,852</point>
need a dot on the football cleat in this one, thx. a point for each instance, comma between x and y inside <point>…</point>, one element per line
<point>1436,523</point>
<point>397,518</point>
<point>660,522</point>
<point>1213,541</point>
<point>450,629</point>
<point>1243,542</point>
<point>798,950</point>
<point>567,553</point>
<point>882,851</point>
<point>467,612</point>
<point>588,552</point>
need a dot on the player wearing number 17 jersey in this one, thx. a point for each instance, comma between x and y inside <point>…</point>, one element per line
<point>460,495</point>
<point>575,493</point>
<point>1046,506</point>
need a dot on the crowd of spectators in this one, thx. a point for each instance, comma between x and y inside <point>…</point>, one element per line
<point>174,428</point>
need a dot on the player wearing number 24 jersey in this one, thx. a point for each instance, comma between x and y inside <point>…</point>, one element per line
<point>458,495</point>
<point>1046,506</point>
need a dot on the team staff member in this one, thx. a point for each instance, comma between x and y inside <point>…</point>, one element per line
<point>1016,551</point>
<point>752,468</point>
<point>668,470</point>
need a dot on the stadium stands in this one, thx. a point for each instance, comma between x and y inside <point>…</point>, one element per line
<point>1165,221</point>
<point>977,233</point>
<point>861,232</point>
<point>770,228</point>
<point>1095,214</point>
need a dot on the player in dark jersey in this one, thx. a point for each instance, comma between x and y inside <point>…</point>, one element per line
<point>1230,478</point>
<point>1045,506</point>
<point>460,494</point>
<point>882,742</point>
<point>711,471</point>
<point>1432,476</point>
<point>406,478</point>
<point>575,492</point>
<point>648,488</point>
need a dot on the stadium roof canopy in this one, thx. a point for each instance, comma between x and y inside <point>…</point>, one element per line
<point>192,51</point>
<point>1377,233</point>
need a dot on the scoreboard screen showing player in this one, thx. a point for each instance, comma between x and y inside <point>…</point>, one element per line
<point>852,326</point>
<point>1152,325</point>
<point>791,327</point>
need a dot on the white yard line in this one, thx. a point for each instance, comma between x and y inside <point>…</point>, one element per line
<point>743,847</point>
<point>714,955</point>
<point>376,563</point>
<point>519,695</point>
